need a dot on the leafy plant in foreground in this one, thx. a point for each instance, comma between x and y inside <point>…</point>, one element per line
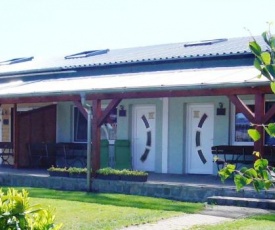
<point>16,213</point>
<point>261,175</point>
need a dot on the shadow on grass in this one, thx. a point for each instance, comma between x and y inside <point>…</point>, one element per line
<point>117,200</point>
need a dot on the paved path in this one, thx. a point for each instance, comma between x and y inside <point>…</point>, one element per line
<point>211,215</point>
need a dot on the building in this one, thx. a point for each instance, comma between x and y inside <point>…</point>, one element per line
<point>172,102</point>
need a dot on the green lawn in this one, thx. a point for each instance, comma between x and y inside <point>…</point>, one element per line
<point>263,222</point>
<point>81,210</point>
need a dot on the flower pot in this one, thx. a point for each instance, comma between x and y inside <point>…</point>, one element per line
<point>142,178</point>
<point>78,175</point>
<point>58,174</point>
<point>108,177</point>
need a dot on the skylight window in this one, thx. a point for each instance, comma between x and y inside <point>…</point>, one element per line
<point>16,60</point>
<point>205,42</point>
<point>87,54</point>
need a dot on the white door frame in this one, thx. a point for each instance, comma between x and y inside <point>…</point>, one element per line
<point>190,137</point>
<point>134,138</point>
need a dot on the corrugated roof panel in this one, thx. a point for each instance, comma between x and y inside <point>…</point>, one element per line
<point>128,82</point>
<point>140,54</point>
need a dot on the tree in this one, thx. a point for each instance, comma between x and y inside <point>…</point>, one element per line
<point>261,175</point>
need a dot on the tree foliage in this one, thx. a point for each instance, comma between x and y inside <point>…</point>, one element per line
<point>261,175</point>
<point>16,213</point>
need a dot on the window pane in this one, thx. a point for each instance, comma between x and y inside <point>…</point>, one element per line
<point>108,129</point>
<point>242,124</point>
<point>268,139</point>
<point>80,126</point>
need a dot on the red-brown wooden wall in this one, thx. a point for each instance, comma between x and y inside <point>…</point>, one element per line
<point>38,125</point>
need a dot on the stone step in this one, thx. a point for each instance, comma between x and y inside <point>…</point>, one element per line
<point>242,202</point>
<point>247,192</point>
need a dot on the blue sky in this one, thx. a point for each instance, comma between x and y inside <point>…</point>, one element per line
<point>51,28</point>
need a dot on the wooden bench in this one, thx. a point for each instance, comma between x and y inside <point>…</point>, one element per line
<point>6,152</point>
<point>240,154</point>
<point>46,154</point>
<point>39,155</point>
<point>72,153</point>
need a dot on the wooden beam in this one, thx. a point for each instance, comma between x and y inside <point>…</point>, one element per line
<point>113,104</point>
<point>259,117</point>
<point>81,108</point>
<point>15,136</point>
<point>269,114</point>
<point>40,99</point>
<point>242,107</point>
<point>96,108</point>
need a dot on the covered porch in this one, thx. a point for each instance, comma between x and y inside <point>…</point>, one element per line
<point>88,93</point>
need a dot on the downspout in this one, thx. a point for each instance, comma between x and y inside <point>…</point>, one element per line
<point>88,108</point>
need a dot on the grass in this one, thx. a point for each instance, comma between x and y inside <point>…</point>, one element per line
<point>81,210</point>
<point>263,222</point>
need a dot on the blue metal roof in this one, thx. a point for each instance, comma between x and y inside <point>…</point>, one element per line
<point>156,53</point>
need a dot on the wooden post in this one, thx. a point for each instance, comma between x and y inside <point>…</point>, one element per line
<point>259,119</point>
<point>15,136</point>
<point>96,135</point>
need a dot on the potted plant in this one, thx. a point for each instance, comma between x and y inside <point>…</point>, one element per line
<point>77,172</point>
<point>108,174</point>
<point>133,175</point>
<point>125,174</point>
<point>56,171</point>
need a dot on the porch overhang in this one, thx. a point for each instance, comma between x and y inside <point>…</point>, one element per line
<point>196,82</point>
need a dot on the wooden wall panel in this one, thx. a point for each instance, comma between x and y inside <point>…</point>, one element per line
<point>37,125</point>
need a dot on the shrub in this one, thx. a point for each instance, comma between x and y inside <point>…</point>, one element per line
<point>75,170</point>
<point>108,171</point>
<point>133,172</point>
<point>111,171</point>
<point>17,214</point>
<point>57,169</point>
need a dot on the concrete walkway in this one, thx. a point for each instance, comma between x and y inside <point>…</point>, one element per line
<point>211,215</point>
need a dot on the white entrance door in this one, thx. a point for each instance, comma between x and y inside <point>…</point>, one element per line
<point>200,131</point>
<point>144,119</point>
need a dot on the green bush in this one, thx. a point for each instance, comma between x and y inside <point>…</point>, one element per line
<point>75,170</point>
<point>108,171</point>
<point>17,214</point>
<point>133,172</point>
<point>57,169</point>
<point>111,171</point>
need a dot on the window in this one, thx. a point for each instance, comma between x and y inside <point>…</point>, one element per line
<point>108,129</point>
<point>16,60</point>
<point>87,54</point>
<point>270,140</point>
<point>80,126</point>
<point>205,42</point>
<point>241,125</point>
